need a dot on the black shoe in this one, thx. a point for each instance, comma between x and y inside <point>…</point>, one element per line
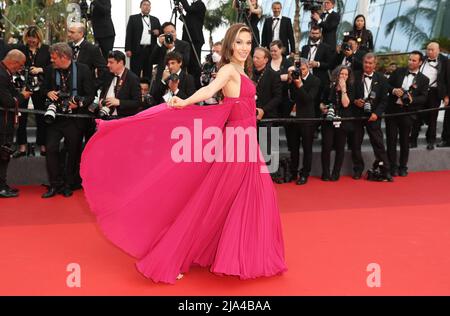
<point>14,190</point>
<point>66,192</point>
<point>19,154</point>
<point>325,177</point>
<point>335,177</point>
<point>357,175</point>
<point>394,172</point>
<point>388,178</point>
<point>7,193</point>
<point>430,146</point>
<point>302,180</point>
<point>413,144</point>
<point>402,172</point>
<point>51,192</point>
<point>443,144</point>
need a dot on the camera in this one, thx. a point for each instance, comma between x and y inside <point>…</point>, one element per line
<point>100,109</point>
<point>346,46</point>
<point>331,116</point>
<point>296,73</point>
<point>168,38</point>
<point>148,100</point>
<point>62,105</point>
<point>312,5</point>
<point>405,97</point>
<point>25,80</point>
<point>368,102</point>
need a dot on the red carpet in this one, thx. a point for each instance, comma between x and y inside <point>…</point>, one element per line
<point>332,232</point>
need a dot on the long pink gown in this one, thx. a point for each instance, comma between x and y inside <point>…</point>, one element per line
<point>173,215</point>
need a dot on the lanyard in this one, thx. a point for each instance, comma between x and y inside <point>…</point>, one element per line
<point>148,24</point>
<point>366,87</point>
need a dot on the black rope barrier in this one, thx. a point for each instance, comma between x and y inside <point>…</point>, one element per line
<point>262,122</point>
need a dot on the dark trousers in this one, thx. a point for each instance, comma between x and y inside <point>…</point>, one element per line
<point>336,138</point>
<point>194,68</point>
<point>376,140</point>
<point>106,45</point>
<point>72,134</point>
<point>41,132</point>
<point>445,137</point>
<point>430,118</point>
<point>140,61</point>
<point>304,135</point>
<point>398,128</point>
<point>5,139</point>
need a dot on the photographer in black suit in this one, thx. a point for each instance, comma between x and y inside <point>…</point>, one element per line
<point>278,27</point>
<point>194,20</point>
<point>141,37</point>
<point>319,56</point>
<point>175,80</point>
<point>102,25</point>
<point>349,54</point>
<point>121,93</point>
<point>408,90</point>
<point>68,86</point>
<point>328,21</point>
<point>445,136</point>
<point>371,89</point>
<point>304,90</point>
<point>435,68</point>
<point>10,98</point>
<point>167,43</point>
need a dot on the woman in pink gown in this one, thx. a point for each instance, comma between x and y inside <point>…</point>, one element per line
<point>172,208</point>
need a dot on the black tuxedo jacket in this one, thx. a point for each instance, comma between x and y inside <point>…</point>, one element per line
<point>379,86</point>
<point>129,94</point>
<point>134,32</point>
<point>286,34</point>
<point>91,56</point>
<point>306,97</point>
<point>159,55</point>
<point>269,92</point>
<point>8,97</point>
<point>194,18</point>
<point>186,87</point>
<point>329,28</point>
<point>324,56</point>
<point>356,60</point>
<point>419,93</point>
<point>442,76</point>
<point>102,23</point>
<point>84,85</point>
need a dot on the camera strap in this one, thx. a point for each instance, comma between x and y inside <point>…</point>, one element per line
<point>74,79</point>
<point>366,87</point>
<point>120,82</point>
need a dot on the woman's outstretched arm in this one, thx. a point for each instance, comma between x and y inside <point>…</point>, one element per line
<point>222,78</point>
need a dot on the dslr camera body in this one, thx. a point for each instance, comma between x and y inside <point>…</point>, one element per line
<point>62,106</point>
<point>25,80</point>
<point>168,38</point>
<point>368,103</point>
<point>405,97</point>
<point>296,73</point>
<point>208,68</point>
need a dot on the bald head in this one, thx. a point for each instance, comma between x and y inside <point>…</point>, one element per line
<point>433,50</point>
<point>14,60</point>
<point>76,32</point>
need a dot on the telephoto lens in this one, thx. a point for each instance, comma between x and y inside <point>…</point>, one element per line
<point>331,114</point>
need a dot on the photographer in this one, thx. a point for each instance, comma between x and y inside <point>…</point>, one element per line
<point>194,21</point>
<point>278,27</point>
<point>349,54</point>
<point>337,102</point>
<point>328,21</point>
<point>9,99</point>
<point>68,86</point>
<point>408,90</point>
<point>121,93</point>
<point>175,81</point>
<point>253,13</point>
<point>141,37</point>
<point>371,89</point>
<point>37,60</point>
<point>147,100</point>
<point>209,71</point>
<point>305,90</point>
<point>168,43</point>
<point>102,25</point>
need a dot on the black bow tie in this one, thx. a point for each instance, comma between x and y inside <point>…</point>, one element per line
<point>276,19</point>
<point>432,60</point>
<point>313,45</point>
<point>368,77</point>
<point>412,74</point>
<point>145,15</point>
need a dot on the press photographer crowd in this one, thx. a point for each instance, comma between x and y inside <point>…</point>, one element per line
<point>324,81</point>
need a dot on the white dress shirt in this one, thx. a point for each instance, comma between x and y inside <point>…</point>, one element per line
<point>146,38</point>
<point>276,28</point>
<point>430,70</point>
